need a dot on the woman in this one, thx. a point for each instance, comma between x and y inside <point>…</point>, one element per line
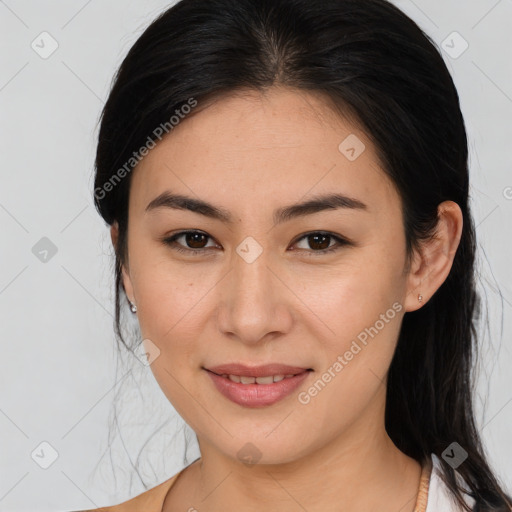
<point>286,183</point>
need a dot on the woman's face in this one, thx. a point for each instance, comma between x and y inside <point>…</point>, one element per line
<point>255,288</point>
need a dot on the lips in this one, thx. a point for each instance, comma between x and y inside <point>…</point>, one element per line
<point>236,382</point>
<point>257,394</point>
<point>257,371</point>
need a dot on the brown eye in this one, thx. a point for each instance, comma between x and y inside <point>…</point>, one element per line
<point>319,243</point>
<point>194,242</point>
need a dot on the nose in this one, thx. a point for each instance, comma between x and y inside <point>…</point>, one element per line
<point>255,303</point>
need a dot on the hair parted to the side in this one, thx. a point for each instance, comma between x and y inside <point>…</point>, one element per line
<point>375,64</point>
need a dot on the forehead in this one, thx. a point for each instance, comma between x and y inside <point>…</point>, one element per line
<point>252,148</point>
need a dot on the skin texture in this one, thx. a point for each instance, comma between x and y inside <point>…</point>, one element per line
<point>251,153</point>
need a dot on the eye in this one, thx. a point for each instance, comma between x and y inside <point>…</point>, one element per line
<point>320,241</point>
<point>196,239</point>
<point>196,242</point>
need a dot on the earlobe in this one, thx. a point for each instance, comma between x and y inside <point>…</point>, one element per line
<point>431,266</point>
<point>416,294</point>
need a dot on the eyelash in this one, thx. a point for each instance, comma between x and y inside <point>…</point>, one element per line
<point>171,241</point>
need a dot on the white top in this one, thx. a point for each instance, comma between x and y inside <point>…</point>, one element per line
<point>439,496</point>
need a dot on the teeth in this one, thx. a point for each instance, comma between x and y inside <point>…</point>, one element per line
<point>265,380</point>
<point>258,380</point>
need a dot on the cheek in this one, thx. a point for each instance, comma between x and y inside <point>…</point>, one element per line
<point>170,314</point>
<point>355,295</point>
<point>170,297</point>
<point>363,314</point>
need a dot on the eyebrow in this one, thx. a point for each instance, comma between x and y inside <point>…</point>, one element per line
<point>317,204</point>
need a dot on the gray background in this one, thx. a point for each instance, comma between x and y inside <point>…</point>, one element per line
<point>59,368</point>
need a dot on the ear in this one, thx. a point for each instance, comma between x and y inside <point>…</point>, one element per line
<point>432,264</point>
<point>125,273</point>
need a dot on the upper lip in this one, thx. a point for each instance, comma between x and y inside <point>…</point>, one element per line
<point>256,371</point>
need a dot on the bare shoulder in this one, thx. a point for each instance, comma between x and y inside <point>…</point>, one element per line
<point>149,501</point>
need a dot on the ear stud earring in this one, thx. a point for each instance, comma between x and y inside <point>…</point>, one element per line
<point>133,307</point>
<point>420,297</point>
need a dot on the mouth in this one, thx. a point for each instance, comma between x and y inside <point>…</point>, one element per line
<point>257,380</point>
<point>257,372</point>
<point>257,386</point>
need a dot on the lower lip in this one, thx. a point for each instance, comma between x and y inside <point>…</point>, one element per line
<point>257,395</point>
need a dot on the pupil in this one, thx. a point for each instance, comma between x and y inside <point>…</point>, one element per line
<point>195,237</point>
<point>325,237</point>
